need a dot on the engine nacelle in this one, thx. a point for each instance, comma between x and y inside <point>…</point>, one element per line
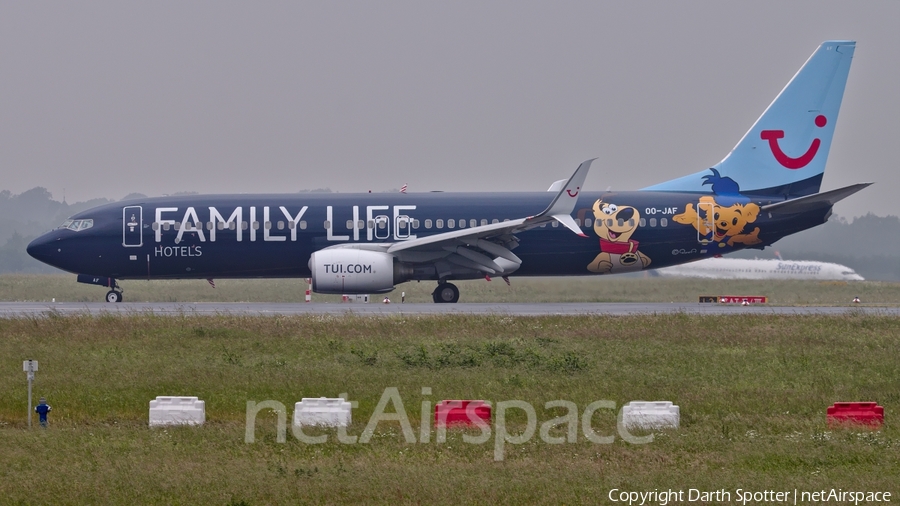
<point>350,271</point>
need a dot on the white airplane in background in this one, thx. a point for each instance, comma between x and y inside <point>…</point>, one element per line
<point>745,268</point>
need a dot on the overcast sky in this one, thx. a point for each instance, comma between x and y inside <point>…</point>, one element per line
<point>101,99</point>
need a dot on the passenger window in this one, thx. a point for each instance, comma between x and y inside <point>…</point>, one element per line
<point>439,223</point>
<point>495,220</point>
<point>220,226</point>
<point>349,224</point>
<point>166,226</point>
<point>652,222</point>
<point>255,225</point>
<point>621,222</point>
<point>555,224</point>
<point>361,224</point>
<point>303,225</point>
<point>415,224</point>
<point>382,224</point>
<point>291,225</point>
<point>268,225</point>
<point>155,226</point>
<point>428,223</point>
<point>245,225</point>
<point>609,222</point>
<point>663,222</point>
<point>232,225</point>
<point>473,222</point>
<point>209,225</point>
<point>371,223</point>
<point>451,223</point>
<point>280,225</point>
<point>177,226</point>
<point>643,222</point>
<point>631,222</point>
<point>483,222</point>
<point>462,223</point>
<point>588,223</point>
<point>327,224</point>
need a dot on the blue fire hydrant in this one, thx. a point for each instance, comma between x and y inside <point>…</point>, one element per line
<point>42,409</point>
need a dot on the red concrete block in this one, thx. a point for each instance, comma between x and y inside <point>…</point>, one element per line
<point>462,412</point>
<point>738,299</point>
<point>865,413</point>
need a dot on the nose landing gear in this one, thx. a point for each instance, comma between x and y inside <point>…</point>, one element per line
<point>115,292</point>
<point>445,293</point>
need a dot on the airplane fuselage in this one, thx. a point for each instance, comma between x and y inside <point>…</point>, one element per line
<point>273,235</point>
<point>767,187</point>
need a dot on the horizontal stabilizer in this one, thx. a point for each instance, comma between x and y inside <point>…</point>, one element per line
<point>815,201</point>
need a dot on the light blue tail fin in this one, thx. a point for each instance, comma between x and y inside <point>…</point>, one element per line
<point>784,152</point>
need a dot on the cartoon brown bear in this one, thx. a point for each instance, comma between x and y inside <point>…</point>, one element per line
<point>618,252</point>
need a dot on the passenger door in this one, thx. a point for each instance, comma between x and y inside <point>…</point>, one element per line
<point>132,226</point>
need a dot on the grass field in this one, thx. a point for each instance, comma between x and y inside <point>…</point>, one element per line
<point>63,288</point>
<point>752,390</point>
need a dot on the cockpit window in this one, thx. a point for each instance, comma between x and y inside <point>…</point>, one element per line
<point>77,225</point>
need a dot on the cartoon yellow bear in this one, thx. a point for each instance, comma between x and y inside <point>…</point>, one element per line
<point>726,225</point>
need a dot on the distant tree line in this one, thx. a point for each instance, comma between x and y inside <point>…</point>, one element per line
<point>869,244</point>
<point>26,216</point>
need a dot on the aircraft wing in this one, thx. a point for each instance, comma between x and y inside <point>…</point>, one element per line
<point>488,248</point>
<point>809,202</point>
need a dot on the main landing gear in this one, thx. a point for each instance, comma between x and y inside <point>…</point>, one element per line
<point>445,293</point>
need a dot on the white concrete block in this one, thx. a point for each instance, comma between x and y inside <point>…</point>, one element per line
<point>171,410</point>
<point>331,412</point>
<point>651,415</point>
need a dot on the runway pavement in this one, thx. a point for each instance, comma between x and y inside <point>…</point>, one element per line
<point>37,309</point>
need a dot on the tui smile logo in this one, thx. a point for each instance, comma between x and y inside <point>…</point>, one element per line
<point>574,194</point>
<point>786,161</point>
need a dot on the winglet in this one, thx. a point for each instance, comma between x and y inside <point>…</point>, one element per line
<point>555,187</point>
<point>564,201</point>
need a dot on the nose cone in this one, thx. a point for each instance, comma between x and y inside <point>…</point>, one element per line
<point>44,248</point>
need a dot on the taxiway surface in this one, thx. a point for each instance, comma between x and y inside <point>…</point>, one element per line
<point>22,309</point>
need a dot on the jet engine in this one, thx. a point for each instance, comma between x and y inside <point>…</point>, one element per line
<point>351,270</point>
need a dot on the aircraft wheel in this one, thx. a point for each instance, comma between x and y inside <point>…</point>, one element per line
<point>113,296</point>
<point>446,293</point>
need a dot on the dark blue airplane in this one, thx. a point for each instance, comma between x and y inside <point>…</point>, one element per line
<point>765,189</point>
